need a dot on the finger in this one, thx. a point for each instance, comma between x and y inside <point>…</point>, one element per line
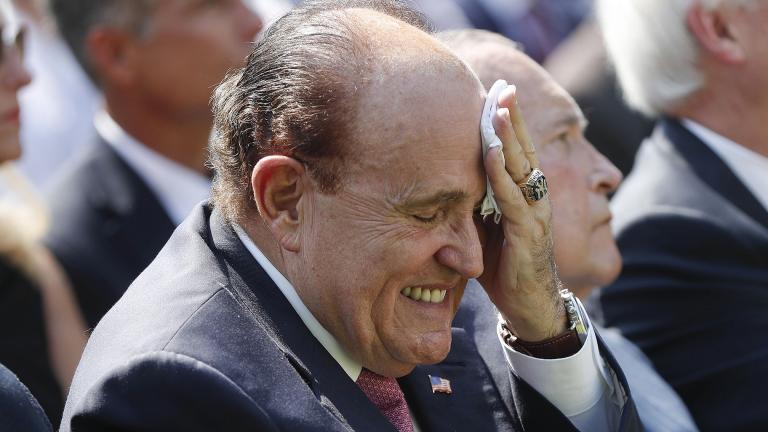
<point>517,164</point>
<point>508,99</point>
<point>508,195</point>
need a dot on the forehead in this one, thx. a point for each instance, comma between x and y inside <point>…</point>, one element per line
<point>545,104</point>
<point>420,123</point>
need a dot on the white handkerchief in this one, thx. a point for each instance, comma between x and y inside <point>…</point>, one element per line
<point>490,140</point>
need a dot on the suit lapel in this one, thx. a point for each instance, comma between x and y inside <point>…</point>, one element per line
<point>332,387</point>
<point>131,215</point>
<point>711,169</point>
<point>470,406</point>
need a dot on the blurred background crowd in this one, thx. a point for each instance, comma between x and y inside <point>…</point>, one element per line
<point>105,118</point>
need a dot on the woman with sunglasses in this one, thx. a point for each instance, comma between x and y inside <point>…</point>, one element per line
<point>42,333</point>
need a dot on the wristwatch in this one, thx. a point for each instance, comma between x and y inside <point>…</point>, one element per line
<point>560,346</point>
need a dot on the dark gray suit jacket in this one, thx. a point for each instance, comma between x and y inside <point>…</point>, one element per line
<point>693,293</point>
<point>204,340</point>
<point>19,411</point>
<point>107,227</point>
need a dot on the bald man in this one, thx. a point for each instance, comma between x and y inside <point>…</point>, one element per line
<point>318,290</point>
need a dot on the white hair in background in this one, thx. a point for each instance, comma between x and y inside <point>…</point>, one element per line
<point>652,50</point>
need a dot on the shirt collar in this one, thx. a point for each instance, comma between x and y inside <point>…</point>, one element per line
<point>177,187</point>
<point>326,339</point>
<point>750,167</point>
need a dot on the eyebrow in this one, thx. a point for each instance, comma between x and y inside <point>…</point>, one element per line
<point>413,201</point>
<point>438,198</point>
<point>572,119</point>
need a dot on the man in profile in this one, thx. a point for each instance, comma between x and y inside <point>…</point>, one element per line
<point>342,231</point>
<point>692,219</point>
<point>580,179</point>
<point>156,63</point>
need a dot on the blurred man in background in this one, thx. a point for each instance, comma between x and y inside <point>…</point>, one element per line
<point>580,179</point>
<point>156,63</point>
<point>692,219</point>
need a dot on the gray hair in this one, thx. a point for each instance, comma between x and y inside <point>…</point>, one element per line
<point>77,18</point>
<point>296,97</point>
<point>654,54</point>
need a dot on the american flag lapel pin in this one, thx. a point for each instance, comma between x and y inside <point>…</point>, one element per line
<point>440,385</point>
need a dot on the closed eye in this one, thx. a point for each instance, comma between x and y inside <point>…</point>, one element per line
<point>426,219</point>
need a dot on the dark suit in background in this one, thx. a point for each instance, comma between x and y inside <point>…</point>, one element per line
<point>693,293</point>
<point>107,227</point>
<point>24,342</point>
<point>19,411</point>
<point>204,340</point>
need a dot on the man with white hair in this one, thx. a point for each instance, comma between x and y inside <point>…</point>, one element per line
<point>691,220</point>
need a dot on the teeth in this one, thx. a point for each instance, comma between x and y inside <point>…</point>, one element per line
<point>416,293</point>
<point>438,296</point>
<point>425,295</point>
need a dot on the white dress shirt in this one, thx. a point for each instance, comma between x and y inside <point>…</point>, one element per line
<point>580,386</point>
<point>178,188</point>
<point>748,166</point>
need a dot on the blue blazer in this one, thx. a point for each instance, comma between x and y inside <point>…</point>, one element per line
<point>693,293</point>
<point>204,340</point>
<point>107,227</point>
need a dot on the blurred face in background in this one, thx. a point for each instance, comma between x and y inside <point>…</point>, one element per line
<point>13,76</point>
<point>186,49</point>
<point>580,179</point>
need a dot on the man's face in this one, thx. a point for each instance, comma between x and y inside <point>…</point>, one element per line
<point>403,222</point>
<point>188,48</point>
<point>579,180</point>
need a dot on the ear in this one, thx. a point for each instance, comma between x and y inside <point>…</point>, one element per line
<point>710,28</point>
<point>112,53</point>
<point>278,186</point>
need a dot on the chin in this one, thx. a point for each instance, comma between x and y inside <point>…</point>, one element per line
<point>431,349</point>
<point>434,348</point>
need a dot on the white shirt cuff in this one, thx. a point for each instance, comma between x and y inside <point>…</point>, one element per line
<point>572,384</point>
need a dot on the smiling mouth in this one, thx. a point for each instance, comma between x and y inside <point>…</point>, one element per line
<point>425,295</point>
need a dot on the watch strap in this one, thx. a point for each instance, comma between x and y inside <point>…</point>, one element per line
<point>561,346</point>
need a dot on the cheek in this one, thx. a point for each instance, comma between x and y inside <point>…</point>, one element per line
<point>606,257</point>
<point>10,148</point>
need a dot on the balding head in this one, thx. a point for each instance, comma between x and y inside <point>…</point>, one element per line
<point>355,136</point>
<point>493,56</point>
<point>303,87</point>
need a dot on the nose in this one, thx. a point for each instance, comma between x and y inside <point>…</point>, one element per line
<point>463,253</point>
<point>14,74</point>
<point>605,177</point>
<point>248,22</point>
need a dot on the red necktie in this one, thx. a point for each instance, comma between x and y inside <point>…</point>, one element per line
<point>385,393</point>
